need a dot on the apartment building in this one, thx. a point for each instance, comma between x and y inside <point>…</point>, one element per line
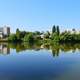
<point>4,31</point>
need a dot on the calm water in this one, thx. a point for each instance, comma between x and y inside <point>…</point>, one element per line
<point>39,62</point>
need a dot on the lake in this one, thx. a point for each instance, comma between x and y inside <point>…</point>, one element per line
<point>39,62</point>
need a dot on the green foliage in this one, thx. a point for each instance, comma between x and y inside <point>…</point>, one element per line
<point>12,38</point>
<point>55,37</point>
<point>22,34</point>
<point>55,33</point>
<point>37,33</point>
<point>68,37</point>
<point>54,29</point>
<point>18,34</point>
<point>29,38</point>
<point>58,31</point>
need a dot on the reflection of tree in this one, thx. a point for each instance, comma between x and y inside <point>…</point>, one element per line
<point>47,46</point>
<point>68,47</point>
<point>24,46</point>
<point>55,52</point>
<point>55,49</point>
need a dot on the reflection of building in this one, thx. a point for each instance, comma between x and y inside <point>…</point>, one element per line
<point>4,49</point>
<point>4,31</point>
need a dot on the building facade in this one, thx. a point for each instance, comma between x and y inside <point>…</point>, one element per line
<point>4,31</point>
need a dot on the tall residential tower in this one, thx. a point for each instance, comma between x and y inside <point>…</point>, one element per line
<point>4,31</point>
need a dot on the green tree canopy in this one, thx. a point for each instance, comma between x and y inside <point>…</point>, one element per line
<point>12,38</point>
<point>29,38</point>
<point>54,29</point>
<point>18,34</point>
<point>58,31</point>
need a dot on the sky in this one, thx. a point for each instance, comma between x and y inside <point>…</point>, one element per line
<point>41,15</point>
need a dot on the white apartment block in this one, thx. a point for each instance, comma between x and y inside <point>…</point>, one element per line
<point>4,31</point>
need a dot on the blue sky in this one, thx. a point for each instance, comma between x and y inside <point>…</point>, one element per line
<point>32,15</point>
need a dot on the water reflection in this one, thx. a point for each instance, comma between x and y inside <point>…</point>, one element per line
<point>41,66</point>
<point>55,49</point>
<point>4,48</point>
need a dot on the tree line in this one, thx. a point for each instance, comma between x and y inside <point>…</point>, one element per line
<point>49,37</point>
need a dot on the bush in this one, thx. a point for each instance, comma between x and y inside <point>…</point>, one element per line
<point>55,37</point>
<point>12,38</point>
<point>29,38</point>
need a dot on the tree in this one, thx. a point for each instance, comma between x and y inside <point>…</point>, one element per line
<point>58,31</point>
<point>18,34</point>
<point>54,29</point>
<point>29,38</point>
<point>55,37</point>
<point>23,33</point>
<point>55,33</point>
<point>37,33</point>
<point>73,30</point>
<point>12,38</point>
<point>67,37</point>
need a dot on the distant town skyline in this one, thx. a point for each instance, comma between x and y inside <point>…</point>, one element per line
<point>40,15</point>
